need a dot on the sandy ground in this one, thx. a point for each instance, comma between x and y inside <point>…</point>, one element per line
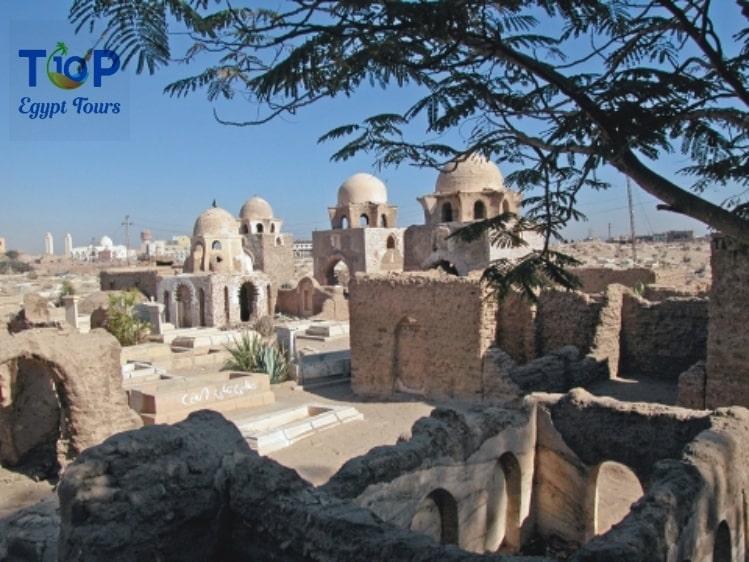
<point>319,456</point>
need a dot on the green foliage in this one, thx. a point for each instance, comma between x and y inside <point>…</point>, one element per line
<point>66,288</point>
<point>123,321</point>
<point>13,264</point>
<point>252,353</point>
<point>560,90</point>
<point>12,254</point>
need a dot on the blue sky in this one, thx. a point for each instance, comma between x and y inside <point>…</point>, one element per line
<point>168,159</point>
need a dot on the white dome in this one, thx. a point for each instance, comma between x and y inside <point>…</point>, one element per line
<point>362,188</point>
<point>256,208</point>
<point>471,174</point>
<point>216,221</point>
<point>106,242</point>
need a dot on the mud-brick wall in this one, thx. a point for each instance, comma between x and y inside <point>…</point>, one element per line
<point>566,318</point>
<point>596,279</point>
<point>516,328</point>
<point>145,280</point>
<point>662,339</point>
<point>728,342</point>
<point>425,330</point>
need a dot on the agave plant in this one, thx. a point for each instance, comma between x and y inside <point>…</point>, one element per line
<point>250,352</point>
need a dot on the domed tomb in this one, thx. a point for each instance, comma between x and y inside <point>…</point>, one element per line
<point>471,174</point>
<point>362,188</point>
<point>215,221</point>
<point>255,208</point>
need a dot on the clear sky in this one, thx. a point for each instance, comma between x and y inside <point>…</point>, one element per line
<point>164,160</point>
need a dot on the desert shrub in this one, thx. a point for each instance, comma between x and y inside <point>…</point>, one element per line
<point>66,288</point>
<point>250,352</point>
<point>265,327</point>
<point>123,321</point>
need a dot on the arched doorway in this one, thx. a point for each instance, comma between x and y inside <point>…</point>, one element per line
<point>201,306</point>
<point>503,506</point>
<point>337,273</point>
<point>344,221</point>
<point>411,357</point>
<point>167,307</point>
<point>612,489</point>
<point>36,420</point>
<point>437,517</point>
<point>227,306</point>
<point>447,212</point>
<point>247,301</point>
<point>383,221</point>
<point>722,544</point>
<point>363,220</point>
<point>184,307</point>
<point>391,242</point>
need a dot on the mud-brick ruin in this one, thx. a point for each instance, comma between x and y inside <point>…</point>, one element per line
<point>60,393</point>
<point>551,477</point>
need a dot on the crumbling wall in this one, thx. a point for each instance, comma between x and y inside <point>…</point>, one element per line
<point>727,360</point>
<point>596,279</point>
<point>460,453</point>
<point>422,333</point>
<point>308,299</point>
<point>662,339</point>
<point>75,375</point>
<point>193,492</point>
<point>145,280</point>
<point>566,318</point>
<point>516,327</point>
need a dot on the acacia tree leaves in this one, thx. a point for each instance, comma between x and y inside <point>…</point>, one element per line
<point>556,88</point>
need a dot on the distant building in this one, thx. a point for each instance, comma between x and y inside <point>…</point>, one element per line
<point>302,249</point>
<point>3,248</point>
<point>49,245</point>
<point>104,251</point>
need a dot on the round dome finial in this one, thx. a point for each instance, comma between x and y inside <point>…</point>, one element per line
<point>469,174</point>
<point>217,221</point>
<point>362,188</point>
<point>106,242</point>
<point>256,208</point>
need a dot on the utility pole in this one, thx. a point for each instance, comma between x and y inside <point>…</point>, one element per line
<point>127,223</point>
<point>631,221</point>
<point>609,240</point>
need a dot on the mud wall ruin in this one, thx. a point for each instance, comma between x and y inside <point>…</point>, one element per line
<point>60,393</point>
<point>467,482</point>
<point>420,333</point>
<point>727,363</point>
<point>145,280</point>
<point>309,299</point>
<point>442,336</point>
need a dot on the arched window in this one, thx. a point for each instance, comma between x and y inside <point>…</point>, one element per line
<point>272,227</point>
<point>364,220</point>
<point>505,206</point>
<point>259,228</point>
<point>383,221</point>
<point>479,210</point>
<point>447,212</point>
<point>437,517</point>
<point>344,221</point>
<point>391,242</point>
<point>216,245</point>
